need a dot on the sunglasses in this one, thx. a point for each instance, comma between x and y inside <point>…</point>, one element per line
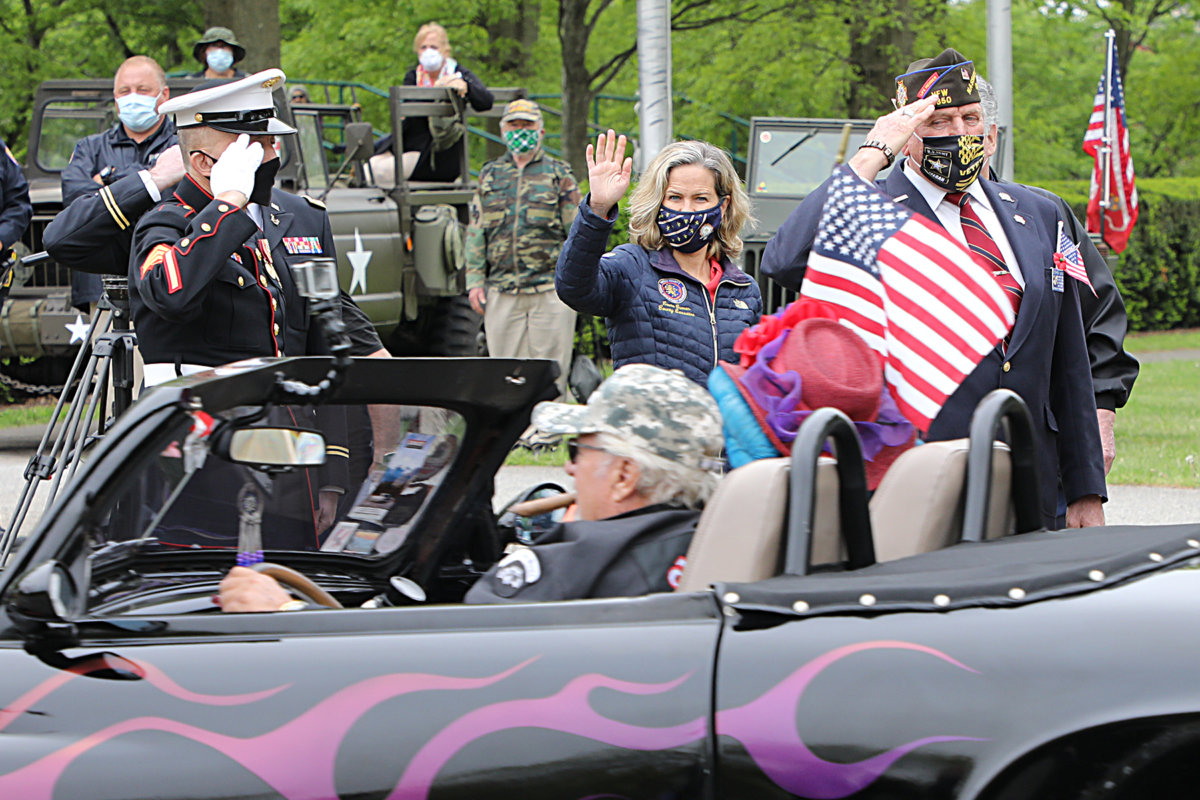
<point>574,446</point>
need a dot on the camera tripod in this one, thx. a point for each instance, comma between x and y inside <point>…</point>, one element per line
<point>105,358</point>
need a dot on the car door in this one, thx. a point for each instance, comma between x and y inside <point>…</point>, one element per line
<point>580,699</point>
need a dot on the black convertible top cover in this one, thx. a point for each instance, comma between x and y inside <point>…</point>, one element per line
<point>1010,571</point>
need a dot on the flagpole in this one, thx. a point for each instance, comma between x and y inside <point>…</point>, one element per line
<point>1106,142</point>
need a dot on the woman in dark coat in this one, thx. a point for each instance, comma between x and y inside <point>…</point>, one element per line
<point>672,297</point>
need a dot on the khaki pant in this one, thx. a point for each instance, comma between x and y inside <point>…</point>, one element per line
<point>530,326</point>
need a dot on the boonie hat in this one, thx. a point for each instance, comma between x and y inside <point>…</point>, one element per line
<point>237,106</point>
<point>657,410</point>
<point>215,35</point>
<point>522,109</point>
<point>950,75</point>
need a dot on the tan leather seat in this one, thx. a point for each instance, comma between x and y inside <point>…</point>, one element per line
<point>918,506</point>
<point>740,536</point>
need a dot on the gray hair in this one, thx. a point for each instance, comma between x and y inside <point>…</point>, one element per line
<point>662,480</point>
<point>987,102</point>
<point>647,198</point>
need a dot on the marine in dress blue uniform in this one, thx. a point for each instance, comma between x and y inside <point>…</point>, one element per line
<point>1046,360</point>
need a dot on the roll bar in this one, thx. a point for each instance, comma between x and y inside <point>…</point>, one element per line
<point>1001,406</point>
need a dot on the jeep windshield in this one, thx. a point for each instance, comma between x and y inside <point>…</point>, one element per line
<point>793,157</point>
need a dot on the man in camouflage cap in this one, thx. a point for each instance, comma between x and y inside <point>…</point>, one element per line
<point>520,216</point>
<point>645,459</point>
<point>645,456</point>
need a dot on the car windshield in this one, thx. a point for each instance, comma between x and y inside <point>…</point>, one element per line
<point>64,123</point>
<point>794,160</point>
<point>364,499</point>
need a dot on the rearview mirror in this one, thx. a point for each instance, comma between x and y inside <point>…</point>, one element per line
<point>360,141</point>
<point>276,447</point>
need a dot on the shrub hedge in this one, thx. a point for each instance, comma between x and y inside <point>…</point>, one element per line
<point>1159,272</point>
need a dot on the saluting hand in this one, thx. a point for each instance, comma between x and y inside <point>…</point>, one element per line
<point>234,170</point>
<point>609,172</point>
<point>893,129</point>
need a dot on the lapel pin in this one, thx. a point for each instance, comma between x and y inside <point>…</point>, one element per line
<point>1006,197</point>
<point>1019,218</point>
<point>274,220</point>
<point>900,198</point>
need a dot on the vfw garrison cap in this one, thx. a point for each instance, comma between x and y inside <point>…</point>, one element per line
<point>236,106</point>
<point>660,411</point>
<point>950,76</point>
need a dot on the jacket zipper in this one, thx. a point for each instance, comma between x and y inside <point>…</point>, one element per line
<point>516,222</point>
<point>710,304</point>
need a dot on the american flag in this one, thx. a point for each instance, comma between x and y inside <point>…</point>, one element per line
<point>1123,200</point>
<point>916,295</point>
<point>1069,259</point>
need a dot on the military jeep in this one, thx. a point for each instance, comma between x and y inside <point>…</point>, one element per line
<point>400,252</point>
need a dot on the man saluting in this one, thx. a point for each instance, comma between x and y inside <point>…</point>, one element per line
<point>210,279</point>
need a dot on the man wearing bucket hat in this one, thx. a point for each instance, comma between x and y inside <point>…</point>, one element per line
<point>520,216</point>
<point>645,458</point>
<point>210,279</point>
<point>938,124</point>
<point>217,51</point>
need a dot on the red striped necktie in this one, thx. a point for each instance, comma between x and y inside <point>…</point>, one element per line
<point>984,248</point>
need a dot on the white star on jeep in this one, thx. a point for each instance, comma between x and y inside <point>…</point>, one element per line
<point>359,259</point>
<point>78,329</point>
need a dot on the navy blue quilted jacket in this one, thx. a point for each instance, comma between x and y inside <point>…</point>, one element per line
<point>656,313</point>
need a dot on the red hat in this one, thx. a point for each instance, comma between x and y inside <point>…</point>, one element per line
<point>830,365</point>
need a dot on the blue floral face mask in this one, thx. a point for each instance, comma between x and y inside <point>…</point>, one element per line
<point>137,112</point>
<point>689,231</point>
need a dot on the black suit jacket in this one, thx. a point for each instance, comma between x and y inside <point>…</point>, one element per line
<point>1046,362</point>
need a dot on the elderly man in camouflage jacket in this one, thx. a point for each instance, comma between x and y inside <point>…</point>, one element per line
<point>526,203</point>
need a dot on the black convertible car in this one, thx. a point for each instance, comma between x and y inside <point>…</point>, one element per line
<point>815,649</point>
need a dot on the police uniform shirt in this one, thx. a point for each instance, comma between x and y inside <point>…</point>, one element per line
<point>15,208</point>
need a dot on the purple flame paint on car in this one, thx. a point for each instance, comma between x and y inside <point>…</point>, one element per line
<point>771,738</point>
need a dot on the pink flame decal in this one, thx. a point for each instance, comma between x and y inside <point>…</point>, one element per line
<point>150,673</point>
<point>567,711</point>
<point>771,738</point>
<point>296,759</point>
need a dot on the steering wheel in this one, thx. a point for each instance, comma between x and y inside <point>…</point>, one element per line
<point>298,583</point>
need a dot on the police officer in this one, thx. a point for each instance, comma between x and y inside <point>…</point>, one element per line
<point>520,216</point>
<point>114,177</point>
<point>15,213</point>
<point>648,443</point>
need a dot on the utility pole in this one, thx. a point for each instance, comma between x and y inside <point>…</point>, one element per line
<point>654,78</point>
<point>1000,75</point>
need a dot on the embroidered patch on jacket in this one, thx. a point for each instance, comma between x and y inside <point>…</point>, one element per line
<point>675,573</point>
<point>672,289</point>
<point>302,245</point>
<point>515,571</point>
<point>740,303</point>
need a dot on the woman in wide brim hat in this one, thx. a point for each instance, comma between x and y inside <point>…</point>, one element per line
<point>813,363</point>
<point>217,51</point>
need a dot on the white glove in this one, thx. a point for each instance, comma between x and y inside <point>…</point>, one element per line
<point>234,170</point>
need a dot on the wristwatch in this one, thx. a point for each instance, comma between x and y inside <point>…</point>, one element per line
<point>881,147</point>
<point>108,174</point>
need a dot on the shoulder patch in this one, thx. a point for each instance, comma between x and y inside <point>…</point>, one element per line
<point>515,571</point>
<point>314,202</point>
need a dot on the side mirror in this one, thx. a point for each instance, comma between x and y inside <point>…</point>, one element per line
<point>273,447</point>
<point>360,141</point>
<point>42,604</point>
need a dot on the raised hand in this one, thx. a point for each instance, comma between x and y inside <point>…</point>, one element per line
<point>609,171</point>
<point>234,170</point>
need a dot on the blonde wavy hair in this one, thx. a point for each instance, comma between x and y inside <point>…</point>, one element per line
<point>439,31</point>
<point>647,197</point>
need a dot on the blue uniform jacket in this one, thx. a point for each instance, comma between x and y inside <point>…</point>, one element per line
<point>15,208</point>
<point>1047,361</point>
<point>655,312</point>
<point>92,233</point>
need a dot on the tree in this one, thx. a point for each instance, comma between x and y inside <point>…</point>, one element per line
<point>255,23</point>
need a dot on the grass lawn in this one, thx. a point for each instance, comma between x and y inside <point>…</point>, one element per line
<point>36,412</point>
<point>1156,341</point>
<point>1158,432</point>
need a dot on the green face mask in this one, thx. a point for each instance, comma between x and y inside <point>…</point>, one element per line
<point>521,140</point>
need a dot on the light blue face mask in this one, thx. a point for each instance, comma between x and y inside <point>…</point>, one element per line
<point>219,60</point>
<point>137,111</point>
